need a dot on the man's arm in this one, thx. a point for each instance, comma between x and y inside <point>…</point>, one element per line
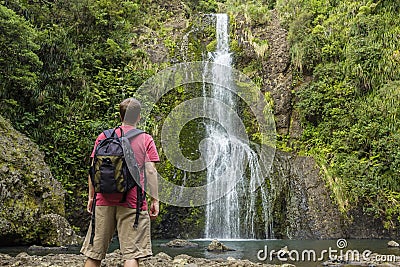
<point>152,183</point>
<point>90,196</point>
<point>91,191</point>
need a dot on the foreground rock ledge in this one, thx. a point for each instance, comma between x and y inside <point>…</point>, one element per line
<point>114,259</point>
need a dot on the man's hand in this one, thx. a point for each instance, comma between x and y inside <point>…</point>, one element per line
<point>89,205</point>
<point>151,174</point>
<point>154,209</point>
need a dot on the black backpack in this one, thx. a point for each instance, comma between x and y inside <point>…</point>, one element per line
<point>115,169</point>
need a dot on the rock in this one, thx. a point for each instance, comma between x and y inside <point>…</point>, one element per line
<point>393,244</point>
<point>158,53</point>
<point>58,231</point>
<point>183,257</point>
<point>22,255</point>
<point>216,245</point>
<point>163,256</point>
<point>308,212</point>
<point>28,191</point>
<point>115,259</point>
<point>180,243</point>
<point>275,64</point>
<point>35,248</point>
<point>181,260</point>
<point>283,252</point>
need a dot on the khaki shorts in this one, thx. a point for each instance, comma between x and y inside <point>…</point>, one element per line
<point>134,243</point>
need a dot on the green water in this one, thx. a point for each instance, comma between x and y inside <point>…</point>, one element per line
<point>248,249</point>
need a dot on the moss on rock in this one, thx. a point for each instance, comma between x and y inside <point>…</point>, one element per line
<point>27,188</point>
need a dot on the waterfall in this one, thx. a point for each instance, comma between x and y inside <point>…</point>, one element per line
<point>233,170</point>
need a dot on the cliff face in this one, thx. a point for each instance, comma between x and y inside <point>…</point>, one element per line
<point>303,209</point>
<point>28,194</point>
<point>265,47</point>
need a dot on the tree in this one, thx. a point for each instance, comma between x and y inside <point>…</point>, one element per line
<point>19,64</point>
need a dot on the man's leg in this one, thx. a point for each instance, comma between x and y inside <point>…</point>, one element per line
<point>135,243</point>
<point>92,263</point>
<point>131,263</point>
<point>105,228</point>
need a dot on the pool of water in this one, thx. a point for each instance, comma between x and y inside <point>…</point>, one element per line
<point>306,253</point>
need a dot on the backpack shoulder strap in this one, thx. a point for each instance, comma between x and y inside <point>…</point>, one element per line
<point>132,133</point>
<point>128,152</point>
<point>108,133</point>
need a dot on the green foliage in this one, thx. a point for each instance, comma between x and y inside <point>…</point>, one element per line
<point>66,65</point>
<point>349,110</point>
<point>208,6</point>
<point>255,12</point>
<point>204,6</point>
<point>19,64</point>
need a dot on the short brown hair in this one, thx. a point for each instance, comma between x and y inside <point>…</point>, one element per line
<point>129,110</point>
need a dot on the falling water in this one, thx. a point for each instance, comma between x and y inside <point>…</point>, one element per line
<point>234,170</point>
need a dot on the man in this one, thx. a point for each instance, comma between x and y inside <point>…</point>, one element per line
<point>111,214</point>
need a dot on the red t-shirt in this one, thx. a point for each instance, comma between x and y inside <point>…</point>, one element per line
<point>144,150</point>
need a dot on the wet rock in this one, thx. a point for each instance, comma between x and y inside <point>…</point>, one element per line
<point>218,246</point>
<point>283,252</point>
<point>302,207</point>
<point>180,243</point>
<point>393,244</point>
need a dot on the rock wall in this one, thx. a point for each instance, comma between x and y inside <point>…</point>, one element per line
<point>28,194</point>
<point>303,209</point>
<point>273,66</point>
<point>277,75</point>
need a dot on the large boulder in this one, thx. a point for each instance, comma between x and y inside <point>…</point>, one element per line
<point>28,191</point>
<point>55,230</point>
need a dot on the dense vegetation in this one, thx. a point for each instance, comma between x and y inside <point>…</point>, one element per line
<point>65,65</point>
<point>348,52</point>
